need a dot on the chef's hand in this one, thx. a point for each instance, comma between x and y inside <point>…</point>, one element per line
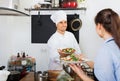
<point>61,53</point>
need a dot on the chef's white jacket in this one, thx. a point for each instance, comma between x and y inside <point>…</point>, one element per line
<point>59,41</point>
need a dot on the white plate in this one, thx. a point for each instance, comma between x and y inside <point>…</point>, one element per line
<point>66,53</point>
<point>67,62</point>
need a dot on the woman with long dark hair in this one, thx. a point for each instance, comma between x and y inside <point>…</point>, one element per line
<point>107,62</point>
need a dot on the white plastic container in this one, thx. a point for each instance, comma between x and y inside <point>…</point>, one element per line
<point>4,75</point>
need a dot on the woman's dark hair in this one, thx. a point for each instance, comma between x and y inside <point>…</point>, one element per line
<point>111,22</point>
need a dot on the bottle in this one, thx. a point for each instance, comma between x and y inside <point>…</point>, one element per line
<point>18,55</point>
<point>23,60</point>
<point>60,3</point>
<point>56,3</point>
<point>27,56</point>
<point>23,55</point>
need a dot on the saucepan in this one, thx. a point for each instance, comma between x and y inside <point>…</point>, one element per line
<point>75,23</point>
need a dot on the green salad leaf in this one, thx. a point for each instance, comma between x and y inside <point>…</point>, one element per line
<point>73,57</point>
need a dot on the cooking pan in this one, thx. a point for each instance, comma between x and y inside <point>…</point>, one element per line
<point>75,23</point>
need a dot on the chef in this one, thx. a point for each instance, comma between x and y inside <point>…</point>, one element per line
<point>59,40</point>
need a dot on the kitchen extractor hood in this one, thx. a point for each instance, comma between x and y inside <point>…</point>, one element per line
<point>11,12</point>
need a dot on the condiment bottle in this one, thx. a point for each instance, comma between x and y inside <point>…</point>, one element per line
<point>23,55</point>
<point>18,55</point>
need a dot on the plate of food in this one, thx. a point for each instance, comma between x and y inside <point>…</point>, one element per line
<point>66,51</point>
<point>70,59</point>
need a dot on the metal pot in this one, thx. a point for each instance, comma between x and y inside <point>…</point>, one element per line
<point>75,23</point>
<point>2,67</point>
<point>43,76</point>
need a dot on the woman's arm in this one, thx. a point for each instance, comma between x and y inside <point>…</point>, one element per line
<point>90,64</point>
<point>83,58</point>
<point>77,69</point>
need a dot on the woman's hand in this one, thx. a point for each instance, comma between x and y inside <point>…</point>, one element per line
<point>84,58</point>
<point>78,70</point>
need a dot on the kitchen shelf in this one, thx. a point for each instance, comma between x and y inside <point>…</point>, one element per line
<point>22,65</point>
<point>41,9</point>
<point>11,12</point>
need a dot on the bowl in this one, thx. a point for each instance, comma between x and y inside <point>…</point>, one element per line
<point>45,5</point>
<point>64,55</point>
<point>66,52</point>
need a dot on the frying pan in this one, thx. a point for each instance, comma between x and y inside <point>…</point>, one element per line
<point>75,23</point>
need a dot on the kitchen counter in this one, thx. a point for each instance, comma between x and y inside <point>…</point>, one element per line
<point>29,77</point>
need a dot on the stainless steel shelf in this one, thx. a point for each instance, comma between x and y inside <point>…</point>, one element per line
<point>41,9</point>
<point>11,12</point>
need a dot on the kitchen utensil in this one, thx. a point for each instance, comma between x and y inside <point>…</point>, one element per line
<point>76,23</point>
<point>69,4</point>
<point>45,5</point>
<point>2,67</point>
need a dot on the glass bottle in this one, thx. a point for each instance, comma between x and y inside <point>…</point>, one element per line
<point>18,55</point>
<point>60,3</point>
<point>23,55</point>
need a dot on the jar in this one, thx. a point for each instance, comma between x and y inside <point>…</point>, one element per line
<point>69,4</point>
<point>40,75</point>
<point>55,3</point>
<point>45,76</point>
